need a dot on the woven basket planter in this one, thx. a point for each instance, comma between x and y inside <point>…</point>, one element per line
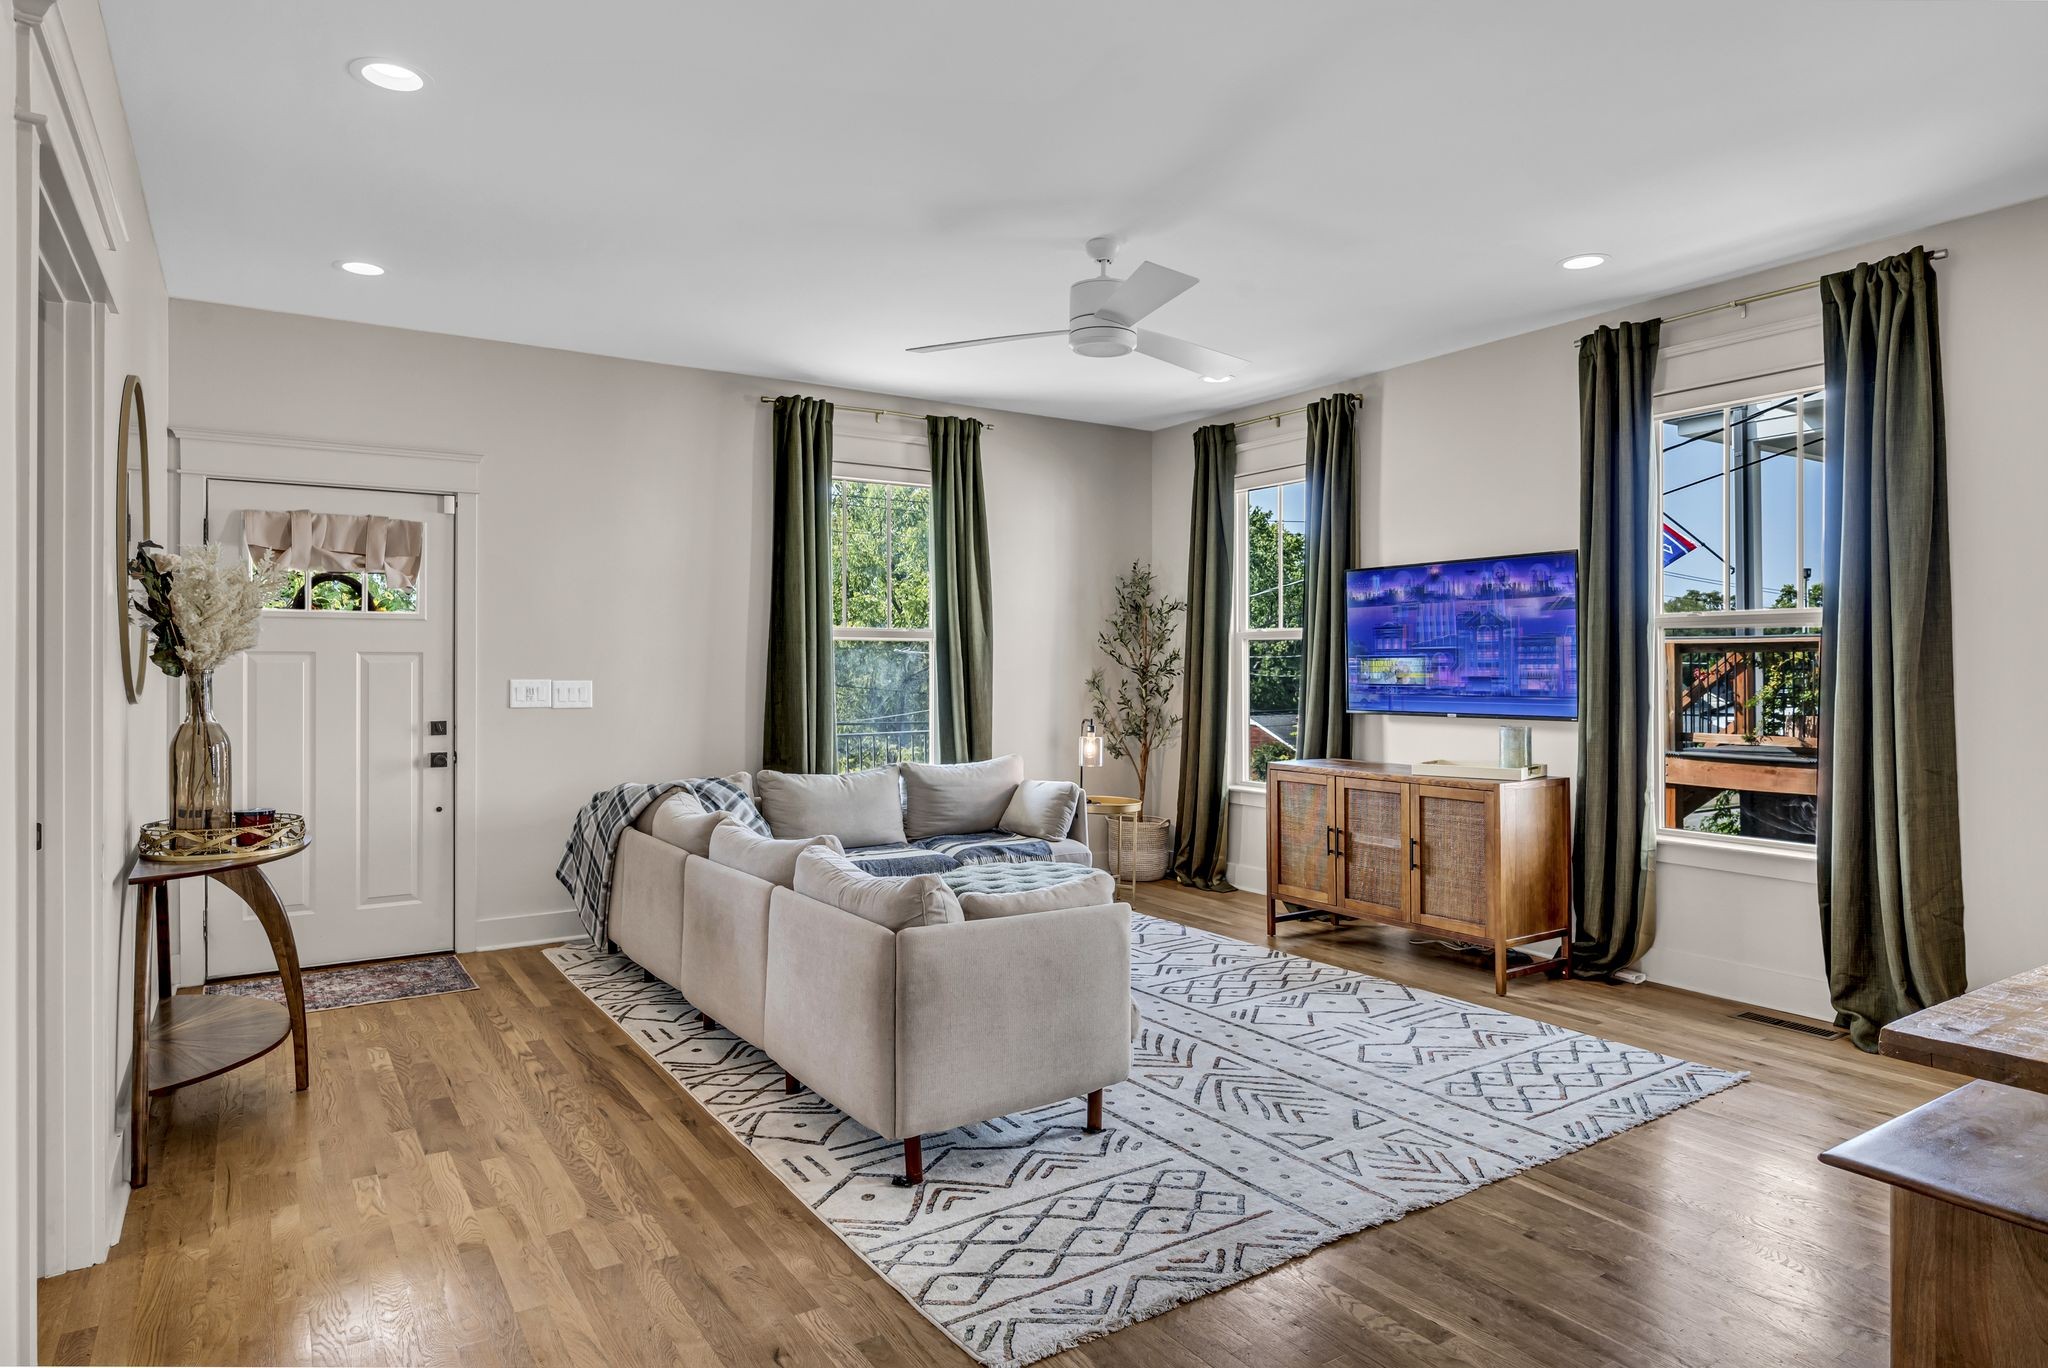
<point>1154,839</point>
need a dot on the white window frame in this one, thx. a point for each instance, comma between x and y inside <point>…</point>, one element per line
<point>1241,631</point>
<point>912,480</point>
<point>1733,619</point>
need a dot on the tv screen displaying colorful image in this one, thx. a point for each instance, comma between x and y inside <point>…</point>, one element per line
<point>1492,637</point>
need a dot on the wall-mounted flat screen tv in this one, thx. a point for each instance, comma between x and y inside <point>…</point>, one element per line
<point>1493,637</point>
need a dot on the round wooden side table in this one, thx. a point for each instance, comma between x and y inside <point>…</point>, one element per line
<point>1117,816</point>
<point>197,1036</point>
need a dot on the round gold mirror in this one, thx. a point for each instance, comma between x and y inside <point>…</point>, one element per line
<point>131,529</point>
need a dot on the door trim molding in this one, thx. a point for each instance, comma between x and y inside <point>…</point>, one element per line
<point>199,454</point>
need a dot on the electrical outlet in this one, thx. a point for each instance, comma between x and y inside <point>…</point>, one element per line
<point>532,693</point>
<point>573,693</point>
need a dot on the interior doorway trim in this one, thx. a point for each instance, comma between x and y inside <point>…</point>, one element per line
<point>199,454</point>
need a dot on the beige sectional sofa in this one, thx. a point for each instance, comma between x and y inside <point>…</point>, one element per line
<point>884,995</point>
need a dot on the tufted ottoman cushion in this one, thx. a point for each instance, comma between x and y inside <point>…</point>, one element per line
<point>1012,889</point>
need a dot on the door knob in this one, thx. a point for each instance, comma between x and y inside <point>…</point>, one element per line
<point>437,760</point>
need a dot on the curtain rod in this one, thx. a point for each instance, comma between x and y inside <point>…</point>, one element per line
<point>880,414</point>
<point>1285,413</point>
<point>1934,254</point>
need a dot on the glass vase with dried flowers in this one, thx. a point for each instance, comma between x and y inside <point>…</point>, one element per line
<point>203,607</point>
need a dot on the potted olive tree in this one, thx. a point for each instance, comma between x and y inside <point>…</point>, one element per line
<point>1133,705</point>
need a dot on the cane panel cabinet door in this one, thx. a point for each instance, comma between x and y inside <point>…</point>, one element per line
<point>1454,857</point>
<point>1304,837</point>
<point>1374,858</point>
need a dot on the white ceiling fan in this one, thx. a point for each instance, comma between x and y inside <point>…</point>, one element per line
<point>1103,314</point>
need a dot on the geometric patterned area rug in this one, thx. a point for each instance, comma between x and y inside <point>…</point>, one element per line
<point>1275,1104</point>
<point>354,985</point>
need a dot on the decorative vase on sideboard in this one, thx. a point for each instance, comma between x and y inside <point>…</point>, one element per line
<point>202,770</point>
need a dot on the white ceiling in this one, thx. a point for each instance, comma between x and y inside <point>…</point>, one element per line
<point>803,190</point>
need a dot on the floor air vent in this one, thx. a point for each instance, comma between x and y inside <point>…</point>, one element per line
<point>1824,1032</point>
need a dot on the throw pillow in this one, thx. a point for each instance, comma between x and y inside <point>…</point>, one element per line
<point>945,800</point>
<point>862,809</point>
<point>764,857</point>
<point>920,900</point>
<point>1043,808</point>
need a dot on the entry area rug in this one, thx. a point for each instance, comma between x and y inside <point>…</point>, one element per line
<point>355,985</point>
<point>1275,1104</point>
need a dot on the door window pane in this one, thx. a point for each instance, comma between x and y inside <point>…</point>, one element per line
<point>883,702</point>
<point>384,598</point>
<point>335,592</point>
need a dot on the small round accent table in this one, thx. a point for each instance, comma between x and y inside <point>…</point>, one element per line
<point>194,1036</point>
<point>1118,815</point>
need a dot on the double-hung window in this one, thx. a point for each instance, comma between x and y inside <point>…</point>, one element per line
<point>1272,540</point>
<point>1739,499</point>
<point>881,622</point>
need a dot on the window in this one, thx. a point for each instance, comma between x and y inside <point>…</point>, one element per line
<point>1738,629</point>
<point>331,591</point>
<point>881,622</point>
<point>1272,536</point>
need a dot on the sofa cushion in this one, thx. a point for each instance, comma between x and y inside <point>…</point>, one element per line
<point>1009,890</point>
<point>941,799</point>
<point>1070,852</point>
<point>682,821</point>
<point>920,900</point>
<point>1043,808</point>
<point>764,857</point>
<point>861,809</point>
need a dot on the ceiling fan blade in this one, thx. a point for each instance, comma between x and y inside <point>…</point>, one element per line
<point>1148,287</point>
<point>1187,355</point>
<point>985,341</point>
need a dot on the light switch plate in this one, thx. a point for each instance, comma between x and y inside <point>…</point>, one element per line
<point>532,693</point>
<point>573,693</point>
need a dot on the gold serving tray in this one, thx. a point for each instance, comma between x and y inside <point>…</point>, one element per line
<point>162,841</point>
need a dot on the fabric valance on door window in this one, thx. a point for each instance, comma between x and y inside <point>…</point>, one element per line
<point>303,540</point>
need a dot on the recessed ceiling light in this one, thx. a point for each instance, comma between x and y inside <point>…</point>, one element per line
<point>1217,379</point>
<point>1584,261</point>
<point>360,267</point>
<point>386,75</point>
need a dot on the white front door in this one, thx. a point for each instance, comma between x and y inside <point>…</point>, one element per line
<point>344,712</point>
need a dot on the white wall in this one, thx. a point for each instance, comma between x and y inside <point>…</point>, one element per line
<point>623,540</point>
<point>1477,452</point>
<point>62,1171</point>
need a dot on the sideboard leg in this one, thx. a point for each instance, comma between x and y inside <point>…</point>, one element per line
<point>138,1090</point>
<point>913,1161</point>
<point>1500,968</point>
<point>248,884</point>
<point>1272,916</point>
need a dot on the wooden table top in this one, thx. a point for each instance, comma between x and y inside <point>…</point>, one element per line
<point>1982,1147</point>
<point>1998,1033</point>
<point>143,870</point>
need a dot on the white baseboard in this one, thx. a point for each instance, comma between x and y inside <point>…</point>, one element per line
<point>1247,878</point>
<point>1753,985</point>
<point>527,928</point>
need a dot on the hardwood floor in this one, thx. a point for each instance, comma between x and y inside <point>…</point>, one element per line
<point>501,1177</point>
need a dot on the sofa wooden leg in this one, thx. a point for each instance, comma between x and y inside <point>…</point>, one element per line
<point>706,1022</point>
<point>1095,1112</point>
<point>790,1085</point>
<point>913,1161</point>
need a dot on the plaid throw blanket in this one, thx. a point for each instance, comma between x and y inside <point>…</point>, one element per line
<point>586,867</point>
<point>941,854</point>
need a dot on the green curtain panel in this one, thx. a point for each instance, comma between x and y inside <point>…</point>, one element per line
<point>1890,866</point>
<point>1201,847</point>
<point>1615,843</point>
<point>796,731</point>
<point>1332,494</point>
<point>961,629</point>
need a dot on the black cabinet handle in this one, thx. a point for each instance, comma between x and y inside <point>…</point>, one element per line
<point>1414,853</point>
<point>1328,833</point>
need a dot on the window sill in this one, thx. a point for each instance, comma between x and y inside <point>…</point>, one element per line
<point>1756,859</point>
<point>1248,795</point>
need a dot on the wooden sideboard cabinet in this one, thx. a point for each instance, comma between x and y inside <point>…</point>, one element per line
<point>1477,861</point>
